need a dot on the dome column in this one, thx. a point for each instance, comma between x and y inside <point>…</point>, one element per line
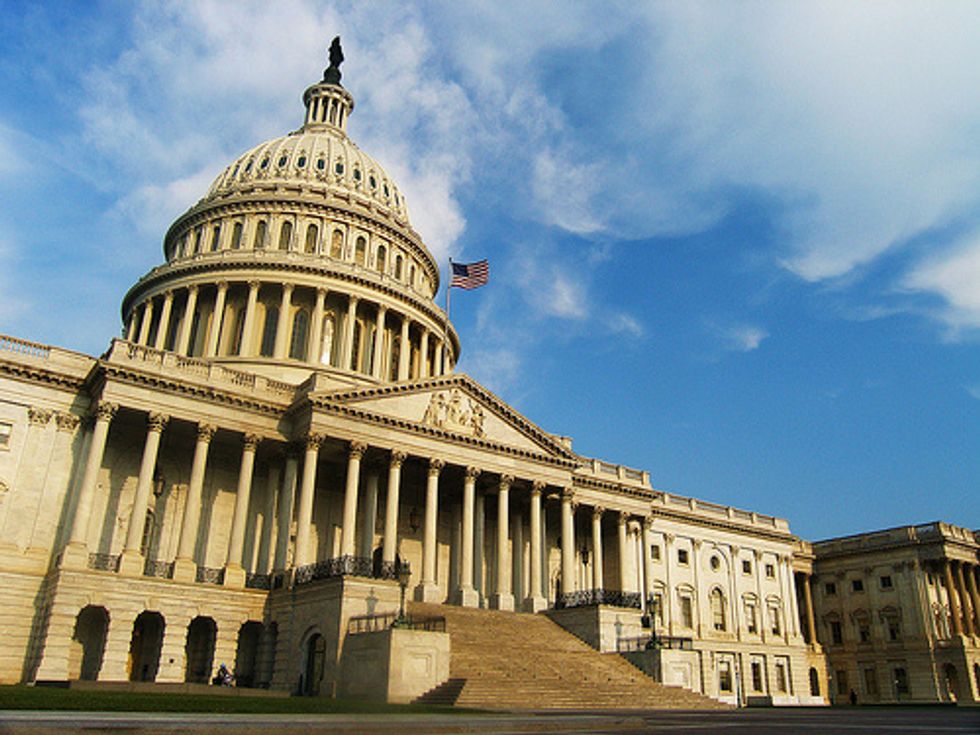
<point>316,329</point>
<point>379,341</point>
<point>164,326</point>
<point>183,342</point>
<point>437,357</point>
<point>348,353</point>
<point>214,333</point>
<point>404,350</point>
<point>244,349</point>
<point>147,321</point>
<point>282,324</point>
<point>424,354</point>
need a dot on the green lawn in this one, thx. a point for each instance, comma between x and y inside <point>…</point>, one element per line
<point>57,698</point>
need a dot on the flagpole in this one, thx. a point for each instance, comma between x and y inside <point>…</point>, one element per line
<point>445,326</point>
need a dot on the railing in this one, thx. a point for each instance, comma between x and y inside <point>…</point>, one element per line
<point>24,347</point>
<point>104,562</point>
<point>255,581</point>
<point>346,566</point>
<point>654,642</point>
<point>584,598</point>
<point>209,575</point>
<point>162,569</point>
<point>383,621</point>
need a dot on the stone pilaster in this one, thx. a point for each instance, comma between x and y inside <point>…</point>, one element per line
<point>185,566</point>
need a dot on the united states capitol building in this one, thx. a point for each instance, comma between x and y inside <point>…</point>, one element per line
<point>248,475</point>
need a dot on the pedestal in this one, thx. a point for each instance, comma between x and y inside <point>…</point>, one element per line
<point>502,601</point>
<point>185,570</point>
<point>234,576</point>
<point>131,564</point>
<point>535,604</point>
<point>467,597</point>
<point>75,556</point>
<point>428,593</point>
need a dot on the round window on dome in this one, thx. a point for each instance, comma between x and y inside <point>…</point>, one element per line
<point>283,160</point>
<point>265,163</point>
<point>320,164</point>
<point>357,174</point>
<point>715,562</point>
<point>301,162</point>
<point>339,168</point>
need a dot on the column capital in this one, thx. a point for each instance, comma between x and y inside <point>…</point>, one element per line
<point>205,432</point>
<point>168,294</point>
<point>435,466</point>
<point>192,288</point>
<point>66,421</point>
<point>251,441</point>
<point>38,416</point>
<point>648,522</point>
<point>254,284</point>
<point>597,511</point>
<point>697,544</point>
<point>735,549</point>
<point>288,287</point>
<point>357,450</point>
<point>538,486</point>
<point>156,421</point>
<point>568,493</point>
<point>757,554</point>
<point>314,440</point>
<point>669,537</point>
<point>382,309</point>
<point>506,481</point>
<point>398,457</point>
<point>321,293</point>
<point>472,473</point>
<point>353,300</point>
<point>222,285</point>
<point>105,411</point>
<point>624,517</point>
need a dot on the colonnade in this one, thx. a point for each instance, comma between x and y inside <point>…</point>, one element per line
<point>962,590</point>
<point>351,333</point>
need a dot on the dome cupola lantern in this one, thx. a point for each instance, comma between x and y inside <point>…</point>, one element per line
<point>328,104</point>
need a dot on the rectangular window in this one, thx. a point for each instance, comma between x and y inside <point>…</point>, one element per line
<point>655,552</point>
<point>870,682</point>
<point>5,430</point>
<point>658,609</point>
<point>843,689</point>
<point>830,589</point>
<point>687,612</point>
<point>757,676</point>
<point>894,630</point>
<point>901,681</point>
<point>864,632</point>
<point>886,582</point>
<point>746,566</point>
<point>836,632</point>
<point>857,585</point>
<point>724,677</point>
<point>682,556</point>
<point>770,571</point>
<point>750,618</point>
<point>774,619</point>
<point>780,676</point>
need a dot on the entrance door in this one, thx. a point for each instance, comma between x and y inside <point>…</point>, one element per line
<point>315,651</point>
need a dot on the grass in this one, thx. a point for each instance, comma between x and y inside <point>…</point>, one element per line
<point>21,697</point>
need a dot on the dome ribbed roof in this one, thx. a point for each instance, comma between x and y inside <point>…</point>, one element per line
<point>324,159</point>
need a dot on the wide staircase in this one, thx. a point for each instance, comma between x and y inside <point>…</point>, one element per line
<point>504,660</point>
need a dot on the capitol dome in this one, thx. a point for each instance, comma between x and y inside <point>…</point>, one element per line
<point>300,255</point>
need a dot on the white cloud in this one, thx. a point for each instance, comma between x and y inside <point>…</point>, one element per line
<point>973,390</point>
<point>563,193</point>
<point>744,337</point>
<point>955,277</point>
<point>624,324</point>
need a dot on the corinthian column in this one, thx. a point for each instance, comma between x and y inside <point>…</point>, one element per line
<point>184,341</point>
<point>624,571</point>
<point>568,585</point>
<point>954,608</point>
<point>185,568</point>
<point>76,554</point>
<point>535,599</point>
<point>597,581</point>
<point>428,588</point>
<point>354,455</point>
<point>390,549</point>
<point>304,512</point>
<point>467,594</point>
<point>132,558</point>
<point>164,326</point>
<point>234,571</point>
<point>211,349</point>
<point>504,598</point>
<point>282,325</point>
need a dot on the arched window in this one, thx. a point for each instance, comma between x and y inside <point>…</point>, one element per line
<point>269,331</point>
<point>360,251</point>
<point>215,237</point>
<point>717,599</point>
<point>312,233</point>
<point>326,344</point>
<point>260,232</point>
<point>298,339</point>
<point>285,235</point>
<point>412,280</point>
<point>236,236</point>
<point>198,234</point>
<point>337,245</point>
<point>147,538</point>
<point>396,351</point>
<point>382,259</point>
<point>399,266</point>
<point>235,348</point>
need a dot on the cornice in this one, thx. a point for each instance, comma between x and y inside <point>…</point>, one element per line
<point>698,520</point>
<point>32,374</point>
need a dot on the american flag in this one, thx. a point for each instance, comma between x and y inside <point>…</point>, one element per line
<point>470,275</point>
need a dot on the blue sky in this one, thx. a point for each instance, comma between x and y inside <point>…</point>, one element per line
<point>734,244</point>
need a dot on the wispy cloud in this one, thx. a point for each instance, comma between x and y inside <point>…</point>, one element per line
<point>954,276</point>
<point>744,337</point>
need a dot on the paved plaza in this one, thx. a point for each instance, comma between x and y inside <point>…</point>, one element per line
<point>877,721</point>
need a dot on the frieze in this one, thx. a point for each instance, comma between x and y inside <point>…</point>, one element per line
<point>446,411</point>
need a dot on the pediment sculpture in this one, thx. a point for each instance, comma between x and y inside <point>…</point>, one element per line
<point>446,411</point>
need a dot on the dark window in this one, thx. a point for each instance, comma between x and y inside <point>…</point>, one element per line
<point>265,163</point>
<point>901,681</point>
<point>339,168</point>
<point>836,632</point>
<point>655,552</point>
<point>830,589</point>
<point>857,585</point>
<point>301,162</point>
<point>746,566</point>
<point>886,582</point>
<point>320,164</point>
<point>269,331</point>
<point>682,556</point>
<point>771,571</point>
<point>864,632</point>
<point>283,160</point>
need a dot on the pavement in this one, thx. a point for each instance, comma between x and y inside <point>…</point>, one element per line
<point>778,721</point>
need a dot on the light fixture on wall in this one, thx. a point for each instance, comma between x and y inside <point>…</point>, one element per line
<point>159,482</point>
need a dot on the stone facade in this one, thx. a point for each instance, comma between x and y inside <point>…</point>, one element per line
<point>281,429</point>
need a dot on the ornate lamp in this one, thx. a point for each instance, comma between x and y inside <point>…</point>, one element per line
<point>404,576</point>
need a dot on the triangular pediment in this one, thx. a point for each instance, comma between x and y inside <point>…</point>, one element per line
<point>452,405</point>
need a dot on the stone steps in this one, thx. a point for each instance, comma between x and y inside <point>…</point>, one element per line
<point>503,660</point>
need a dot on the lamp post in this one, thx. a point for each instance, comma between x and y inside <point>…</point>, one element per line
<point>404,575</point>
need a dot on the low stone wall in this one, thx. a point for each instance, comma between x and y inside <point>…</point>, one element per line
<point>601,626</point>
<point>393,665</point>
